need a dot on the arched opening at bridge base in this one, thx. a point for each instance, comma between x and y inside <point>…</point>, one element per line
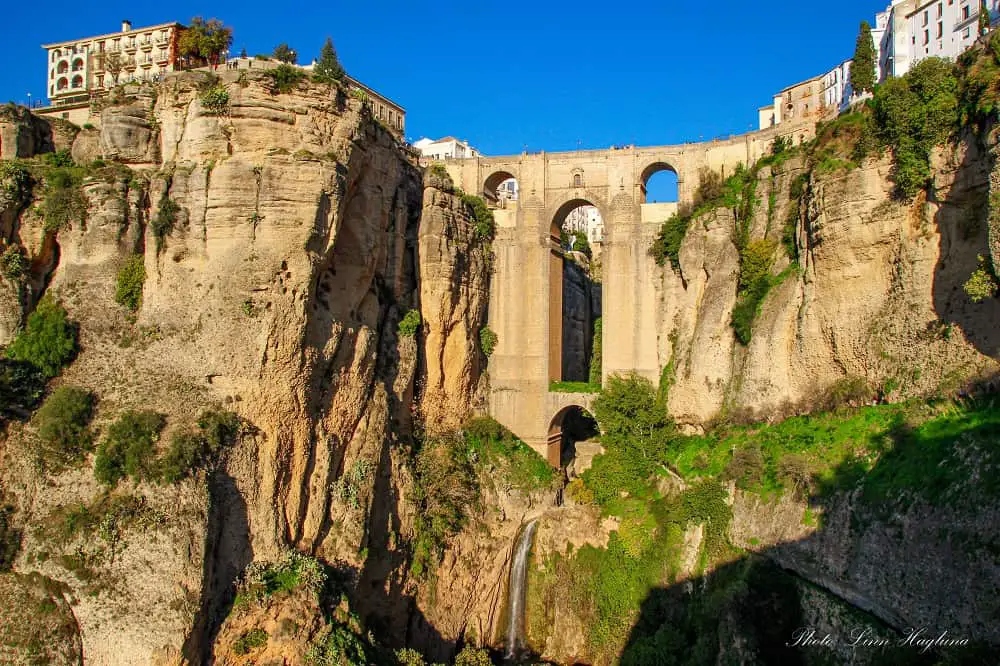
<point>571,427</point>
<point>575,304</point>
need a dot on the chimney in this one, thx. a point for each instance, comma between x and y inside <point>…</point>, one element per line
<point>126,25</point>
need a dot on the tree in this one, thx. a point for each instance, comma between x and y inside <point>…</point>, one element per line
<point>283,53</point>
<point>984,17</point>
<point>328,68</point>
<point>243,52</point>
<point>112,63</point>
<point>863,67</point>
<point>205,40</point>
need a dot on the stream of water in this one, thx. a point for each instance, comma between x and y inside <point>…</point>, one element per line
<point>516,591</point>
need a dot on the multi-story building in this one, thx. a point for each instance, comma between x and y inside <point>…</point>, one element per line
<point>588,220</point>
<point>80,67</point>
<point>796,102</point>
<point>837,90</point>
<point>448,148</point>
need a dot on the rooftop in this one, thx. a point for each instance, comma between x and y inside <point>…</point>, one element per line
<point>112,34</point>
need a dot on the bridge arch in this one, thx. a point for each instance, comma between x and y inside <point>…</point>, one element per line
<point>660,178</point>
<point>497,189</point>
<point>562,209</point>
<point>570,425</point>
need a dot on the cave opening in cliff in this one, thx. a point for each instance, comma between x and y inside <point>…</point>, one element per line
<point>577,232</point>
<point>572,434</point>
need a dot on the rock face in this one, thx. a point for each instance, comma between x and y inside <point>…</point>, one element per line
<point>877,295</point>
<point>581,298</point>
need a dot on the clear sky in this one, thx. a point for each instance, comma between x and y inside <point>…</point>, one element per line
<point>509,75</point>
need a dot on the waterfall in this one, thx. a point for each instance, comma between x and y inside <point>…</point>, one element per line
<point>516,591</point>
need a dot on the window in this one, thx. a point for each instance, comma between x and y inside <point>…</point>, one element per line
<point>965,12</point>
<point>940,30</point>
<point>940,10</point>
<point>925,18</point>
<point>577,180</point>
<point>927,37</point>
<point>966,33</point>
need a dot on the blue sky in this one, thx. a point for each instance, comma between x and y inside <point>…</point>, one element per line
<point>515,74</point>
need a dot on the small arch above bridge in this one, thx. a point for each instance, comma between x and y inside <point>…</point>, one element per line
<point>496,188</point>
<point>570,425</point>
<point>660,180</point>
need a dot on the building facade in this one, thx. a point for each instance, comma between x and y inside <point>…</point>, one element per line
<point>588,220</point>
<point>448,148</point>
<point>797,102</point>
<point>81,67</point>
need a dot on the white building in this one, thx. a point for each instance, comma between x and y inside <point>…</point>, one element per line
<point>588,220</point>
<point>918,29</point>
<point>837,90</point>
<point>446,148</point>
<point>79,67</point>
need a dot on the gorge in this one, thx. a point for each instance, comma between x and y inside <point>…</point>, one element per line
<point>249,401</point>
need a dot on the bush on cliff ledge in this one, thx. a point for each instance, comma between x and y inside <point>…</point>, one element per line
<point>131,277</point>
<point>284,78</point>
<point>128,448</point>
<point>48,342</point>
<point>62,423</point>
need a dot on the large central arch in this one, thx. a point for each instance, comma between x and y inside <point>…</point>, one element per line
<point>571,303</point>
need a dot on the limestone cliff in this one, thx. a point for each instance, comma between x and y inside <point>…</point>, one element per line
<point>876,294</point>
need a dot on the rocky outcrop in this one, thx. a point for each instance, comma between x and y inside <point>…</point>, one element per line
<point>581,299</point>
<point>23,134</point>
<point>454,294</point>
<point>876,295</point>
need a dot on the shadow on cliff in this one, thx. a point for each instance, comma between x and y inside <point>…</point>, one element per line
<point>227,554</point>
<point>962,220</point>
<point>866,568</point>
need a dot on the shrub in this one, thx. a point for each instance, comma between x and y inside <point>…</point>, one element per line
<point>284,78</point>
<point>794,471</point>
<point>131,276</point>
<point>485,225</point>
<point>596,353</point>
<point>249,641</point>
<point>48,342</point>
<point>410,657</point>
<point>13,263</point>
<point>292,570</point>
<point>500,453</point>
<point>62,423</point>
<point>21,387</point>
<point>128,447</point>
<point>746,467</point>
<point>190,450</point>
<point>488,341</point>
<point>215,100</point>
<point>668,242</point>
<point>64,202</point>
<point>756,260</point>
<point>981,285</point>
<point>15,179</point>
<point>166,217</point>
<point>338,647</point>
<point>470,656</point>
<point>59,158</point>
<point>410,324</point>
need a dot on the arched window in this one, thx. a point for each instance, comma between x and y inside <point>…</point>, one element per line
<point>577,180</point>
<point>78,65</point>
<point>62,67</point>
<point>77,81</point>
<point>62,84</point>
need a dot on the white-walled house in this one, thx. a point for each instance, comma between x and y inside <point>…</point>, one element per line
<point>447,148</point>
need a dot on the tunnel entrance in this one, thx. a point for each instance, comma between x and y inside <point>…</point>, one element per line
<point>573,425</point>
<point>575,305</point>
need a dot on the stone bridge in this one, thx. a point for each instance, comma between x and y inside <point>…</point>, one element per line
<point>526,296</point>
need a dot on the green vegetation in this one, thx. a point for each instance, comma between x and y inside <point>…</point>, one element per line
<point>21,387</point>
<point>15,179</point>
<point>190,450</point>
<point>63,202</point>
<point>328,68</point>
<point>596,355</point>
<point>482,216</point>
<point>292,571</point>
<point>215,100</point>
<point>470,656</point>
<point>204,41</point>
<point>409,324</point>
<point>445,490</point>
<point>338,646</point>
<point>756,261</point>
<point>250,641</point>
<point>667,245</point>
<point>131,277</point>
<point>984,18</point>
<point>128,449</point>
<point>10,537</point>
<point>13,263</point>
<point>63,429</point>
<point>488,341</point>
<point>914,113</point>
<point>494,449</point>
<point>863,67</point>
<point>574,387</point>
<point>163,222</point>
<point>284,78</point>
<point>284,53</point>
<point>48,342</point>
<point>982,284</point>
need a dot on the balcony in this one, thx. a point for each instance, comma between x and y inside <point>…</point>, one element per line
<point>130,47</point>
<point>162,41</point>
